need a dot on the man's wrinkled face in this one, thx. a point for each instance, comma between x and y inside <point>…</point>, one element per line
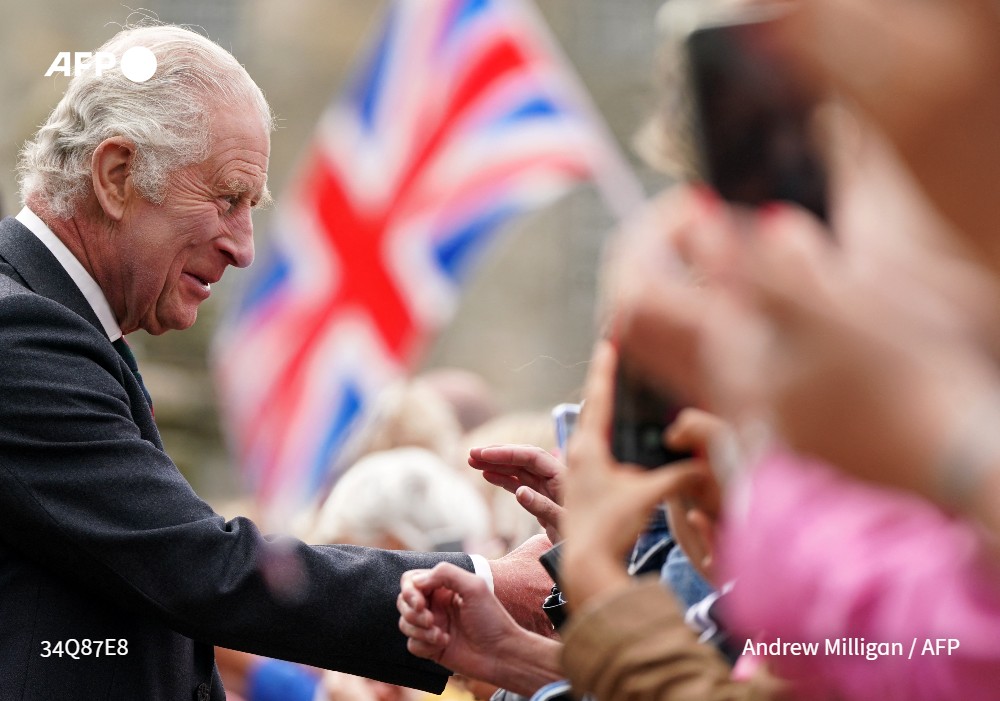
<point>170,255</point>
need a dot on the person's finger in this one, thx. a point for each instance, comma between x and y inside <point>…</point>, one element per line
<point>655,299</point>
<point>541,507</point>
<point>430,635</point>
<point>787,264</point>
<point>412,578</point>
<point>476,451</point>
<point>402,605</point>
<point>475,455</point>
<point>500,468</point>
<point>595,418</point>
<point>532,458</point>
<point>703,524</point>
<point>643,490</point>
<point>693,429</point>
<point>709,243</point>
<point>423,618</point>
<point>414,598</point>
<point>409,590</point>
<point>449,576</point>
<point>511,484</point>
<point>669,480</point>
<point>429,651</point>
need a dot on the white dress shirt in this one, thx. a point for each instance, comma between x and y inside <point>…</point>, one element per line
<point>88,286</point>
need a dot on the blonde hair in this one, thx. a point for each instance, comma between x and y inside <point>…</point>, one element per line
<point>410,494</point>
<point>666,141</point>
<point>412,413</point>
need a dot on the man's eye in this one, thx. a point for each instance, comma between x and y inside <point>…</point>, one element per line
<point>230,202</point>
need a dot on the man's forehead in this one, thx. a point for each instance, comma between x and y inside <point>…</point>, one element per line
<point>238,153</point>
<point>238,140</point>
<point>238,171</point>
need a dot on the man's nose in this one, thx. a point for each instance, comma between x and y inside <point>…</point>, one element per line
<point>237,244</point>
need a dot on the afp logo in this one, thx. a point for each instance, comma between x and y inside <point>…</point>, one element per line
<point>138,63</point>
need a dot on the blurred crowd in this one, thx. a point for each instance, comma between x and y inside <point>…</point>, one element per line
<point>842,399</point>
<point>842,384</point>
<point>410,489</point>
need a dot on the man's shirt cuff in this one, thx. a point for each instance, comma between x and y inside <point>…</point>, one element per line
<point>482,568</point>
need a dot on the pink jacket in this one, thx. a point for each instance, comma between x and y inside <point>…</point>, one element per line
<point>819,556</point>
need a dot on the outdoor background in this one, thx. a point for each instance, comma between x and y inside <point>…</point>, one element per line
<point>526,321</point>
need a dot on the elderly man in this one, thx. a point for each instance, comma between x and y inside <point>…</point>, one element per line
<point>115,579</point>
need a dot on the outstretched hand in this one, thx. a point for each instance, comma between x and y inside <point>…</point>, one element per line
<point>533,475</point>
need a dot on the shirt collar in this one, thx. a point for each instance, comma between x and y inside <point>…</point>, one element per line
<point>88,286</point>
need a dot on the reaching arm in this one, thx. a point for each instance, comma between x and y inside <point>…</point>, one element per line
<point>90,501</point>
<point>533,475</point>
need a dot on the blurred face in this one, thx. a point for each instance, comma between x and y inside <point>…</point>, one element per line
<point>165,258</point>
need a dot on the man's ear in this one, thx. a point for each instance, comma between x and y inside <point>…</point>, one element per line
<point>111,170</point>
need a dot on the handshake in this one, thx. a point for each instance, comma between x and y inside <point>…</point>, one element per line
<point>452,616</point>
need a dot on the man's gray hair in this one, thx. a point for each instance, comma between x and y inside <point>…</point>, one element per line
<point>167,118</point>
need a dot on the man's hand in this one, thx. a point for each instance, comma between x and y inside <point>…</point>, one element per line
<point>521,584</point>
<point>451,617</point>
<point>533,475</point>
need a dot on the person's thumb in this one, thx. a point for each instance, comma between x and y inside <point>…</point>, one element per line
<point>541,507</point>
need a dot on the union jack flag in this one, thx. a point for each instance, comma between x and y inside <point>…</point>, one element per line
<point>462,116</point>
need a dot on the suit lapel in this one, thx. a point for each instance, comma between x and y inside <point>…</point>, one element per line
<point>40,270</point>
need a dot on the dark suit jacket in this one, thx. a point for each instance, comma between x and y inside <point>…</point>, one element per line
<point>101,538</point>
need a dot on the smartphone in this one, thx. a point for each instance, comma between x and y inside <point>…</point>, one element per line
<point>642,414</point>
<point>754,124</point>
<point>565,417</point>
